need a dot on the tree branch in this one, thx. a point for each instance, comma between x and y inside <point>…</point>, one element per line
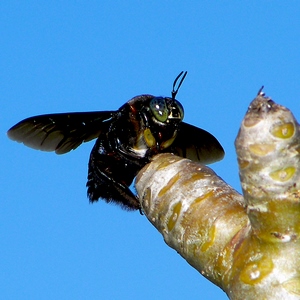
<point>248,246</point>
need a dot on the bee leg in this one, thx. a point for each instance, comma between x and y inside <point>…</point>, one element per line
<point>102,184</point>
<point>141,211</point>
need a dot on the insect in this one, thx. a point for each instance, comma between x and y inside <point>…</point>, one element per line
<point>126,140</point>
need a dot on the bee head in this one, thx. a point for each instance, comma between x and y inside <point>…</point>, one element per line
<point>166,110</point>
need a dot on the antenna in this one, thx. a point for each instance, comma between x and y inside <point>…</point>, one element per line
<point>174,92</point>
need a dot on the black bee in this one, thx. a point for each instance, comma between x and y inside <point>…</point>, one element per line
<point>126,140</point>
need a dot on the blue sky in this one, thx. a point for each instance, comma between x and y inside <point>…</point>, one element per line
<point>95,55</point>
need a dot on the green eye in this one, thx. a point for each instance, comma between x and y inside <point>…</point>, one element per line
<point>159,109</point>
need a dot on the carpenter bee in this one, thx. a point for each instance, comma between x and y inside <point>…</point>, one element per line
<point>126,140</point>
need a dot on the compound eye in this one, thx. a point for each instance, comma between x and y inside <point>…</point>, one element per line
<point>159,109</point>
<point>177,111</point>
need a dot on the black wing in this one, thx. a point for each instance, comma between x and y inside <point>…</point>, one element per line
<point>197,144</point>
<point>60,132</point>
